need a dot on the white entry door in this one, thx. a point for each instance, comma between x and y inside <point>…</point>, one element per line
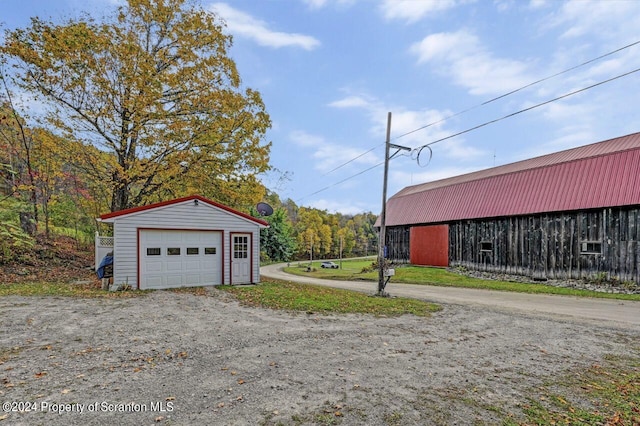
<point>241,259</point>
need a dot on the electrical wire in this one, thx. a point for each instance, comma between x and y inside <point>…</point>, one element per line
<point>486,103</point>
<point>566,95</point>
<point>353,159</point>
<point>518,90</point>
<point>419,149</point>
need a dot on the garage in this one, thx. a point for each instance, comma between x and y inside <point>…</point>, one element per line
<point>176,258</point>
<point>186,242</point>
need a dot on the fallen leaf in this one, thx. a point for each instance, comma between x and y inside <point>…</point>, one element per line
<point>170,398</point>
<point>158,419</point>
<point>240,381</point>
<point>65,391</point>
<point>40,374</point>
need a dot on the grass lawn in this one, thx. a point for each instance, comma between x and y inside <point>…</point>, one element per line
<point>319,299</point>
<point>352,271</point>
<point>612,388</point>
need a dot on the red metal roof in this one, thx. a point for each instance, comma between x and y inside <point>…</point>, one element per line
<point>108,216</point>
<point>603,174</point>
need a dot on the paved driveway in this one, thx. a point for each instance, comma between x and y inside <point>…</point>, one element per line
<point>618,313</point>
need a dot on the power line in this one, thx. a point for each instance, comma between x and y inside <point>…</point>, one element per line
<point>518,89</point>
<point>353,159</point>
<point>419,149</point>
<point>488,102</point>
<point>566,95</point>
<point>339,182</point>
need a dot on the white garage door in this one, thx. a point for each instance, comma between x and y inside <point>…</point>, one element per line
<point>170,259</point>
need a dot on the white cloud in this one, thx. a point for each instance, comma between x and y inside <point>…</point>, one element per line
<point>598,18</point>
<point>462,56</point>
<point>319,4</point>
<point>333,206</point>
<point>403,179</point>
<point>316,4</point>
<point>242,24</point>
<point>351,102</point>
<point>328,155</point>
<point>304,139</point>
<point>538,4</point>
<point>413,128</point>
<point>413,10</point>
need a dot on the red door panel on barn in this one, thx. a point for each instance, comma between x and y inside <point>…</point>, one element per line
<point>429,245</point>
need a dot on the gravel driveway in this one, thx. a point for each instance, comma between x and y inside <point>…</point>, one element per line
<point>178,358</point>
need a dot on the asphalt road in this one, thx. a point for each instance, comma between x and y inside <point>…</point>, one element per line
<point>614,313</point>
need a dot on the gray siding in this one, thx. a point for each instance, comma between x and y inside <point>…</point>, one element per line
<point>188,216</point>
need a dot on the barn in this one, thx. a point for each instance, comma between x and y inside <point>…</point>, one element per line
<point>567,215</point>
<point>186,242</point>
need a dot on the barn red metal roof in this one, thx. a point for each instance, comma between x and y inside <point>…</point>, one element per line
<point>603,174</point>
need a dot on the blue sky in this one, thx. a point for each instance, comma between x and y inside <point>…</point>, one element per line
<point>329,72</point>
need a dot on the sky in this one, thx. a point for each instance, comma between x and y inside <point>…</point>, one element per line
<point>330,72</point>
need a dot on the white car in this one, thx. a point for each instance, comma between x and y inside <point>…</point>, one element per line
<point>330,265</point>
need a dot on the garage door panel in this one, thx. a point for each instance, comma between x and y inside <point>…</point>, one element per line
<point>168,271</point>
<point>194,279</point>
<point>174,280</point>
<point>174,265</point>
<point>154,282</point>
<point>154,265</point>
<point>193,264</point>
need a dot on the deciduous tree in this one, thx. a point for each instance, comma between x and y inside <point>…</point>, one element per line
<point>154,87</point>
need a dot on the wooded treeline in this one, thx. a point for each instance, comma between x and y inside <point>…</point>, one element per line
<point>48,187</point>
<point>142,107</point>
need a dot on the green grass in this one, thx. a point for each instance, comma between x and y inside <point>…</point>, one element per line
<point>318,299</point>
<point>352,271</point>
<point>272,294</point>
<point>607,394</point>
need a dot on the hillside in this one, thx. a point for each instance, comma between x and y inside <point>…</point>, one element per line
<point>59,259</point>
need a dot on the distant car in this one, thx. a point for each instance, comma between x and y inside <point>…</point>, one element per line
<point>330,265</point>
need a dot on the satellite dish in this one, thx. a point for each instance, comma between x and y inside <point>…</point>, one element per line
<point>264,209</point>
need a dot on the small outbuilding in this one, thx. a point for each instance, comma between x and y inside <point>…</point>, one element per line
<point>186,242</point>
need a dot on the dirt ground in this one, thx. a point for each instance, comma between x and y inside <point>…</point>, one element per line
<point>181,359</point>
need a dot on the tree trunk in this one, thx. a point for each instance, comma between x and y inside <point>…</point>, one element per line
<point>27,223</point>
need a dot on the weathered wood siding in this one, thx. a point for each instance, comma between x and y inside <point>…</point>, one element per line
<point>552,246</point>
<point>398,243</point>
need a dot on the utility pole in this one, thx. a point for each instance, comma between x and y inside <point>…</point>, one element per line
<point>383,214</point>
